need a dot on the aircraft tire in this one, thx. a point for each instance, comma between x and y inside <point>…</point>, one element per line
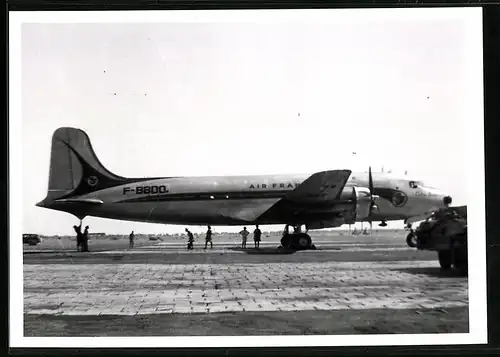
<point>411,240</point>
<point>460,260</point>
<point>286,241</point>
<point>445,259</point>
<point>302,241</point>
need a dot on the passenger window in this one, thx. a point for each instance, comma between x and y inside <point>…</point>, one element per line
<point>413,184</point>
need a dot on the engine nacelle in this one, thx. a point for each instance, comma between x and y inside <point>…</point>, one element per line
<point>359,206</point>
<point>354,204</point>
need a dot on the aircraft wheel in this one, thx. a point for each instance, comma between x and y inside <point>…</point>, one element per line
<point>460,260</point>
<point>286,241</point>
<point>302,241</point>
<point>445,259</point>
<point>411,240</point>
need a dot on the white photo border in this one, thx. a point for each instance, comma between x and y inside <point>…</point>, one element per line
<point>474,126</point>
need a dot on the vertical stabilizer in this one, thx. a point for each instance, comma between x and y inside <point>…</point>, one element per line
<point>74,167</point>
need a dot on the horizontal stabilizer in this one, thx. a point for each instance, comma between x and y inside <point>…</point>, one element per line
<point>93,201</point>
<point>324,185</point>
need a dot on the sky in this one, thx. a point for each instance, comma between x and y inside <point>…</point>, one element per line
<point>230,98</point>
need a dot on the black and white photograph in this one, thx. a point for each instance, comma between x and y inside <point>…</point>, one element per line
<point>247,178</point>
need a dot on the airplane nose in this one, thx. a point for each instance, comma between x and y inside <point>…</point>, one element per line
<point>447,200</point>
<point>443,198</point>
<point>439,198</point>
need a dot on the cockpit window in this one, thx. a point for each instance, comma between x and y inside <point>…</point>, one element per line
<point>416,184</point>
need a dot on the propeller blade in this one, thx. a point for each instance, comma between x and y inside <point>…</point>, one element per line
<point>370,187</point>
<point>354,196</point>
<point>370,180</point>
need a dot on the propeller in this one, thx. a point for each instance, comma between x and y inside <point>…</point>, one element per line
<point>373,205</point>
<point>354,200</point>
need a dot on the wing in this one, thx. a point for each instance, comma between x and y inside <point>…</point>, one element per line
<point>320,187</point>
<point>247,211</point>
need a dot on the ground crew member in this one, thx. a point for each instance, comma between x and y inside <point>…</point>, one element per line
<point>79,238</point>
<point>244,234</point>
<point>131,240</point>
<point>256,236</point>
<point>208,238</point>
<point>85,240</point>
<point>190,239</point>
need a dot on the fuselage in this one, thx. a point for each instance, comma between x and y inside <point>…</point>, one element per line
<point>229,200</point>
<point>80,185</point>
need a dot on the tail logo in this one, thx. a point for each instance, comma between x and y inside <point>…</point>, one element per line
<point>92,181</point>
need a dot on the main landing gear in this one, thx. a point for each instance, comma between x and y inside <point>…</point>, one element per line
<point>296,240</point>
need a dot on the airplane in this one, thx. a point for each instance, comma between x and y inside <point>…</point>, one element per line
<point>79,184</point>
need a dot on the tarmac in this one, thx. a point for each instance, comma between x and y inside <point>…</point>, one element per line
<point>160,281</point>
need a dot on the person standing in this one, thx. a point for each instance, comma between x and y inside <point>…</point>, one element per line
<point>85,240</point>
<point>244,234</point>
<point>190,239</point>
<point>208,238</point>
<point>131,240</point>
<point>79,238</point>
<point>256,236</point>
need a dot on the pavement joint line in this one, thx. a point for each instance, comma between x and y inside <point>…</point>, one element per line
<point>248,308</point>
<point>371,265</point>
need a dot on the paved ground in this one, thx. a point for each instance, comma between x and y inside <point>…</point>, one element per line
<point>334,322</point>
<point>365,285</point>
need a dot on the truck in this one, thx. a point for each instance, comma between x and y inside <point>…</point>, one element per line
<point>444,231</point>
<point>31,239</point>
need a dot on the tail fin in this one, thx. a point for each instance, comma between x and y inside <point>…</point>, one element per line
<point>74,167</point>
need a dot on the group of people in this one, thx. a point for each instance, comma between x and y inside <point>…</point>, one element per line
<point>208,239</point>
<point>244,235</point>
<point>256,237</point>
<point>82,239</point>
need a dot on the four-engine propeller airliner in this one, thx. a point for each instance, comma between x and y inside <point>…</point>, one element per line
<point>80,185</point>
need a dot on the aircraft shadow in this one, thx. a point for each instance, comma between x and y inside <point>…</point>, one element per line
<point>433,272</point>
<point>263,251</point>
